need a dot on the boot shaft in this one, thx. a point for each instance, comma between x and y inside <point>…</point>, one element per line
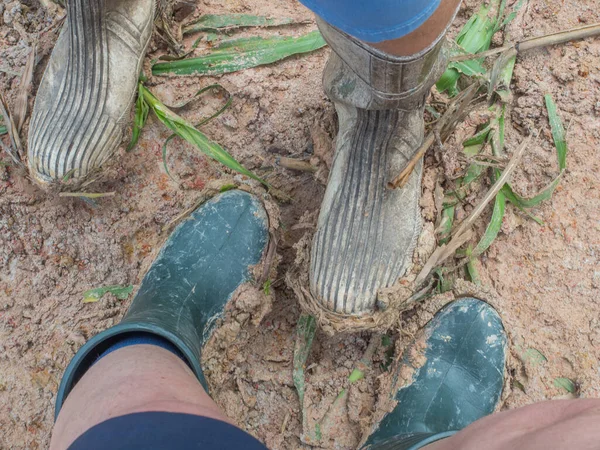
<point>362,76</point>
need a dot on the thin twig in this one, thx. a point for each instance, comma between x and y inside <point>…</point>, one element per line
<point>295,164</point>
<point>441,254</point>
<point>402,179</point>
<point>510,167</point>
<point>15,151</point>
<point>87,194</point>
<point>537,42</point>
<point>21,103</point>
<point>463,233</point>
<point>457,110</point>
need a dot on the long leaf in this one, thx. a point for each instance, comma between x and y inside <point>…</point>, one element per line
<point>199,124</point>
<point>475,37</point>
<point>185,130</point>
<point>305,333</point>
<point>446,225</point>
<point>517,201</point>
<point>531,202</point>
<point>226,22</point>
<point>493,227</point>
<point>246,53</point>
<point>558,132</point>
<point>141,116</point>
<point>121,292</point>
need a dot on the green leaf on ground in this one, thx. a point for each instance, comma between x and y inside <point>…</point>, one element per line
<point>446,225</point>
<point>558,132</point>
<point>534,356</point>
<point>186,131</point>
<point>566,384</point>
<point>141,116</point>
<point>204,121</point>
<point>543,195</point>
<point>225,22</point>
<point>473,272</point>
<point>493,227</point>
<point>305,333</point>
<point>475,37</point>
<point>267,287</point>
<point>356,375</point>
<point>3,129</point>
<point>242,54</point>
<point>479,138</point>
<point>121,292</point>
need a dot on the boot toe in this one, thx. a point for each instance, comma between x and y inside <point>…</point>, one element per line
<point>462,378</point>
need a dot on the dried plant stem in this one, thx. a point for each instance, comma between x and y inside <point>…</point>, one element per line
<point>510,167</point>
<point>441,254</point>
<point>464,233</point>
<point>402,179</point>
<point>537,42</point>
<point>87,194</point>
<point>295,164</point>
<point>21,103</point>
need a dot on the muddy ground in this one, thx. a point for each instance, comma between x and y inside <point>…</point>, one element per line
<point>53,249</point>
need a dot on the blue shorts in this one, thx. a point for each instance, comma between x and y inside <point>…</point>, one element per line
<point>374,20</point>
<point>163,430</point>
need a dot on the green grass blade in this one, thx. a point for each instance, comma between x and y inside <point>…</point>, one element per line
<point>517,201</point>
<point>523,202</point>
<point>3,129</point>
<point>244,54</point>
<point>202,122</point>
<point>534,356</point>
<point>446,225</point>
<point>510,17</point>
<point>478,138</point>
<point>473,172</point>
<point>186,131</point>
<point>475,37</point>
<point>566,384</point>
<point>473,272</point>
<point>493,227</point>
<point>558,132</point>
<point>141,116</point>
<point>305,334</point>
<point>121,292</point>
<point>226,22</point>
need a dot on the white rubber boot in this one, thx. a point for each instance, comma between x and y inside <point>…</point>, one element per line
<point>366,232</point>
<point>83,103</point>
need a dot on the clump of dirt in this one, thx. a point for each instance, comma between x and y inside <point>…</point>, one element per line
<point>54,249</point>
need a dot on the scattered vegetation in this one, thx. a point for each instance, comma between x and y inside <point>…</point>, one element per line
<point>121,292</point>
<point>305,333</point>
<point>243,53</point>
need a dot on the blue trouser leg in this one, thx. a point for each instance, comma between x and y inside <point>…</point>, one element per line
<point>374,21</point>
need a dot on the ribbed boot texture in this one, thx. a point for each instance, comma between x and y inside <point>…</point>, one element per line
<point>89,85</point>
<point>366,233</point>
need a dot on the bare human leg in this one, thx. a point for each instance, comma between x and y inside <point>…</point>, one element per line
<point>552,425</point>
<point>133,379</point>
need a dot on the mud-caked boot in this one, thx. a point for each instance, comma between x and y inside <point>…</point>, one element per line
<point>188,286</point>
<point>366,232</point>
<point>457,368</point>
<point>83,103</point>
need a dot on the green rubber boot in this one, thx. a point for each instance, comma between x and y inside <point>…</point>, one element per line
<point>460,382</point>
<point>189,284</point>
